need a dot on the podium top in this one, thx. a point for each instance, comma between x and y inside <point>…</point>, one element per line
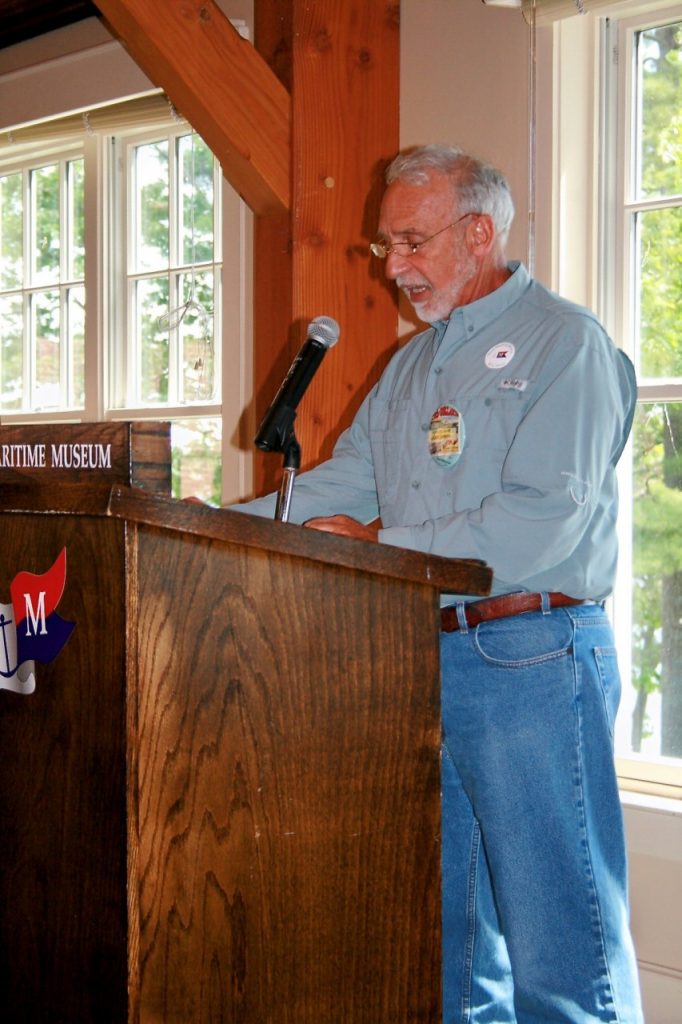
<point>450,575</point>
<point>135,506</point>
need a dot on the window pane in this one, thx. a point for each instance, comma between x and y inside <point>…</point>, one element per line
<point>46,224</point>
<point>653,704</point>
<point>197,338</point>
<point>75,308</point>
<point>659,246</point>
<point>45,322</point>
<point>659,66</point>
<point>196,163</point>
<point>76,238</point>
<point>151,203</point>
<point>11,231</point>
<point>151,306</point>
<point>195,448</point>
<point>11,353</point>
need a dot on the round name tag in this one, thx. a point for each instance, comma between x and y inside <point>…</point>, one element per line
<point>499,356</point>
<point>446,435</point>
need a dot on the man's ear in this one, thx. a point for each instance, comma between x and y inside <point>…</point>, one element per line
<point>481,234</point>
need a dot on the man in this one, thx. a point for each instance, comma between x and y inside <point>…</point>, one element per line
<point>494,434</point>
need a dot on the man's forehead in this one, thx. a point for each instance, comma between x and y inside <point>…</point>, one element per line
<point>407,205</point>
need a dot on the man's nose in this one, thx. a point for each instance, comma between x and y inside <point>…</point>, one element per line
<point>395,265</point>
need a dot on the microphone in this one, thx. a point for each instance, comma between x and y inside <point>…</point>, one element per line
<point>275,431</point>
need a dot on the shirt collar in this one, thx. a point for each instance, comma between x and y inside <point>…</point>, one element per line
<point>477,315</point>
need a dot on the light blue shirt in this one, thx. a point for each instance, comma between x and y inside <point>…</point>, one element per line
<point>534,403</point>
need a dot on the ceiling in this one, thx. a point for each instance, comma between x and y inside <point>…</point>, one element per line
<point>23,19</point>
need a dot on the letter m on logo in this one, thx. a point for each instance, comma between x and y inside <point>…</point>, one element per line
<point>35,617</point>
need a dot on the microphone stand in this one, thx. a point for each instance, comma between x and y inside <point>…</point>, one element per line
<point>292,462</point>
<point>276,432</point>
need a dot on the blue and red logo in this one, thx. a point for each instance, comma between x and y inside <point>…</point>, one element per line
<point>30,628</point>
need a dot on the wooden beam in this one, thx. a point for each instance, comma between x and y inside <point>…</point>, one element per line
<point>341,62</point>
<point>220,84</point>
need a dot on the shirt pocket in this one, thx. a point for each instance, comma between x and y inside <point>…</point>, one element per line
<point>389,433</point>
<point>490,422</point>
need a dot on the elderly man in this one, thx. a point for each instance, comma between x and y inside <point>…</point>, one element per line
<point>494,434</point>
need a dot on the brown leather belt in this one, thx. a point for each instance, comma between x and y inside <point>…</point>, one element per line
<point>501,607</point>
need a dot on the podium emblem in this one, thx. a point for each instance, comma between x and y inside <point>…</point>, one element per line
<point>30,628</point>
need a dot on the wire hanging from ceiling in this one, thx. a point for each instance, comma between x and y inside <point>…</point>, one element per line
<point>192,306</point>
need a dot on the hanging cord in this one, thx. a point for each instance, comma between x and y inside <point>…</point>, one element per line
<point>532,138</point>
<point>192,306</point>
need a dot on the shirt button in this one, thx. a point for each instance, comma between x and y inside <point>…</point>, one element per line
<point>470,328</point>
<point>415,485</point>
<point>438,369</point>
<point>425,426</point>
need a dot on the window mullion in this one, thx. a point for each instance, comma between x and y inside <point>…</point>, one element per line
<point>65,391</point>
<point>96,292</point>
<point>175,295</point>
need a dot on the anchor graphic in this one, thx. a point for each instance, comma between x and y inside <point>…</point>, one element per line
<point>3,625</point>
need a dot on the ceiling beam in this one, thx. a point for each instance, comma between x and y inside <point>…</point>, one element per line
<point>220,84</point>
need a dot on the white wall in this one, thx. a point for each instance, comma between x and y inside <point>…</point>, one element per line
<point>654,830</point>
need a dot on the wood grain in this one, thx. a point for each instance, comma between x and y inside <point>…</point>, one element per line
<point>222,801</point>
<point>288,790</point>
<point>63,919</point>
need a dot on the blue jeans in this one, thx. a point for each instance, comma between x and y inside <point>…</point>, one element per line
<point>535,915</point>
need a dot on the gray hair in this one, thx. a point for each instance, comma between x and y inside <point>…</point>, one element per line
<point>478,187</point>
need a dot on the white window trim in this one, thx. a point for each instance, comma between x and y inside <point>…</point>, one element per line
<point>570,59</point>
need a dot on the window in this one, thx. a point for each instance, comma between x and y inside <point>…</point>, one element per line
<point>166,355</point>
<point>113,226</point>
<point>647,272</point>
<point>172,277</point>
<point>616,146</point>
<point>42,294</point>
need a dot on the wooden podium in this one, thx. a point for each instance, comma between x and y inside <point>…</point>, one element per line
<point>221,801</point>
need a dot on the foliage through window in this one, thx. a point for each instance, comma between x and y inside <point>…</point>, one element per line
<point>42,295</point>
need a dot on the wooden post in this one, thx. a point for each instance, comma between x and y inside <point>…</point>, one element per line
<point>341,63</point>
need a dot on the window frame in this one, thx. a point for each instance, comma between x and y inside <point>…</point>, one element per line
<point>590,58</point>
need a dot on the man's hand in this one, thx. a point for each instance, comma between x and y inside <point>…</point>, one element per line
<point>345,527</point>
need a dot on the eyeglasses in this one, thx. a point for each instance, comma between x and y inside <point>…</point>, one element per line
<point>381,250</point>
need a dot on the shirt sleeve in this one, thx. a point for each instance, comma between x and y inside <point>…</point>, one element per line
<point>344,484</point>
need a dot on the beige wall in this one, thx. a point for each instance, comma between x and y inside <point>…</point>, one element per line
<point>465,80</point>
